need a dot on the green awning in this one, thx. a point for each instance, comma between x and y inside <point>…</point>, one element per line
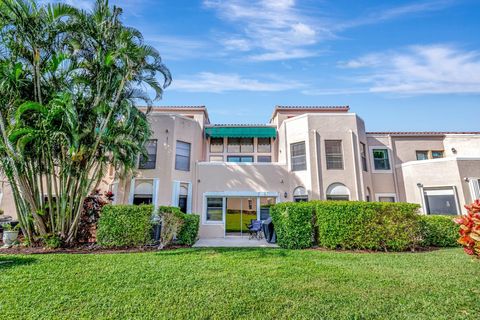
<point>241,132</point>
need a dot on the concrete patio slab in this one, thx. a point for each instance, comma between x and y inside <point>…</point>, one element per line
<point>233,242</point>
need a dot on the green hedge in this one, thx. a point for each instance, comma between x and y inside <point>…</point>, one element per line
<point>189,231</point>
<point>293,224</point>
<point>125,225</point>
<point>368,225</point>
<point>439,231</point>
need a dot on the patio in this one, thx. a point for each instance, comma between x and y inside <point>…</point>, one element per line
<point>234,242</point>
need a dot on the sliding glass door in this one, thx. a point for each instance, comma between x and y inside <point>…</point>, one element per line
<point>239,213</point>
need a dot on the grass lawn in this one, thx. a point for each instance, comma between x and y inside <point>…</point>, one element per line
<point>241,283</point>
<point>236,222</point>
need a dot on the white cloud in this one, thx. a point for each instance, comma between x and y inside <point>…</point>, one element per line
<point>434,69</point>
<point>177,48</point>
<point>270,29</point>
<point>223,82</point>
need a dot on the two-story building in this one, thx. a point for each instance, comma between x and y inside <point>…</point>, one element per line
<point>230,174</point>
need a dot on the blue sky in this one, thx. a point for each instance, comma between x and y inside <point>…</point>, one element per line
<point>401,65</point>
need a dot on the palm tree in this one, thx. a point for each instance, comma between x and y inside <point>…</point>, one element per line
<point>69,106</point>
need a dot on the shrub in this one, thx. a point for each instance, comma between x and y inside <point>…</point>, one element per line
<point>368,225</point>
<point>470,229</point>
<point>439,231</point>
<point>189,231</point>
<point>125,225</point>
<point>172,221</point>
<point>293,224</point>
<point>52,241</point>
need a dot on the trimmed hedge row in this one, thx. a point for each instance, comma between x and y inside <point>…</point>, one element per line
<point>439,231</point>
<point>125,226</point>
<point>359,225</point>
<point>130,225</point>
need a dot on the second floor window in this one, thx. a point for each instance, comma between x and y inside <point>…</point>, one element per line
<point>333,153</point>
<point>264,145</point>
<point>298,156</point>
<point>425,154</point>
<point>381,160</point>
<point>216,145</point>
<point>264,159</point>
<point>240,145</point>
<point>422,155</point>
<point>149,161</point>
<point>437,154</point>
<point>182,156</point>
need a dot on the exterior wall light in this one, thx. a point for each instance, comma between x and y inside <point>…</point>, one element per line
<point>285,195</point>
<point>419,185</point>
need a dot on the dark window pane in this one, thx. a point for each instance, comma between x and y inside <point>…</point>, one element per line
<point>422,155</point>
<point>437,154</point>
<point>380,159</point>
<point>214,209</point>
<point>182,157</point>
<point>246,145</point>
<point>333,153</point>
<point>239,159</point>
<point>298,156</point>
<point>363,153</point>
<point>150,160</point>
<point>264,159</point>
<point>440,201</point>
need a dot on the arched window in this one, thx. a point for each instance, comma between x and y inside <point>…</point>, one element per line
<point>338,191</point>
<point>300,194</point>
<point>183,197</point>
<point>143,193</point>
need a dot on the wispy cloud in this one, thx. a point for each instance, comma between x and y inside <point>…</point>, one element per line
<point>224,82</point>
<point>416,70</point>
<point>177,48</point>
<point>269,29</point>
<point>407,10</point>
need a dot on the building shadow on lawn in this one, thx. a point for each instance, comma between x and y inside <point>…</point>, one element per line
<point>7,261</point>
<point>260,252</point>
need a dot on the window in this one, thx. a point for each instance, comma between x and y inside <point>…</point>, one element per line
<point>216,145</point>
<point>143,192</point>
<point>474,188</point>
<point>265,205</point>
<point>246,145</point>
<point>233,145</point>
<point>363,154</point>
<point>381,160</point>
<point>338,191</point>
<point>386,199</point>
<point>425,154</point>
<point>216,158</point>
<point>183,197</point>
<point>333,153</point>
<point>422,155</point>
<point>241,145</point>
<point>182,157</point>
<point>264,145</point>
<point>149,161</point>
<point>298,157</point>
<point>440,201</point>
<point>437,154</point>
<point>239,159</point>
<point>214,209</point>
<point>300,194</point>
<point>264,159</point>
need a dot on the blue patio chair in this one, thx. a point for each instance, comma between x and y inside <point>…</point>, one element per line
<point>255,229</point>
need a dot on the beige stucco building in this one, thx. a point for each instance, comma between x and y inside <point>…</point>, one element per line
<point>229,174</point>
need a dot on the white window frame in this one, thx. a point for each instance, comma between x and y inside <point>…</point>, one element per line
<point>372,159</point>
<point>155,182</point>
<point>455,195</point>
<point>379,195</point>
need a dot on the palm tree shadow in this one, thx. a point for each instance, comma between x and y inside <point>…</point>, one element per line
<point>7,262</point>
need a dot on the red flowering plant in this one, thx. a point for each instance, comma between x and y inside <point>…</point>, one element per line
<point>470,229</point>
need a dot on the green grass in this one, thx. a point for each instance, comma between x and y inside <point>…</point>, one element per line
<point>241,283</point>
<point>235,221</point>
